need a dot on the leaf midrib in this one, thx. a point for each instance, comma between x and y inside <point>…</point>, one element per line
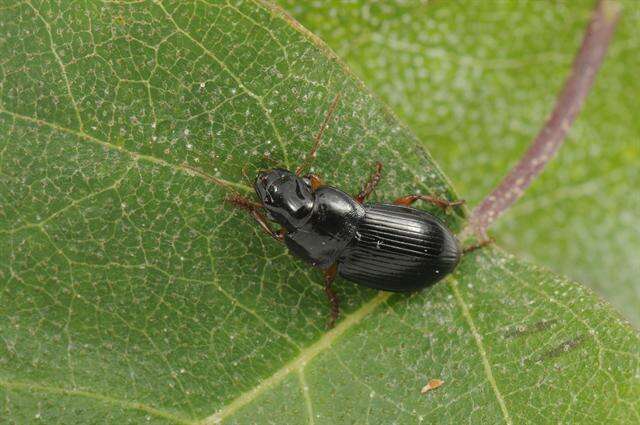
<point>295,365</point>
<point>298,363</point>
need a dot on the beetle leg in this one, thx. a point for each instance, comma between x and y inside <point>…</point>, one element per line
<point>244,203</point>
<point>315,181</point>
<point>253,208</point>
<point>371,184</point>
<point>264,224</point>
<point>245,174</point>
<point>468,249</point>
<point>438,202</point>
<point>329,277</point>
<point>267,157</point>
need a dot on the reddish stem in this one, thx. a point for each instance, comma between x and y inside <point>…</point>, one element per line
<point>550,138</point>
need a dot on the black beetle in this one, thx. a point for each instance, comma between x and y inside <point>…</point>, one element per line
<point>391,247</point>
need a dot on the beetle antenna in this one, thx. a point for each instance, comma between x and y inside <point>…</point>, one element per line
<point>269,158</point>
<point>312,153</point>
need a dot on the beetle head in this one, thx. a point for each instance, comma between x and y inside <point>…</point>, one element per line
<point>287,198</point>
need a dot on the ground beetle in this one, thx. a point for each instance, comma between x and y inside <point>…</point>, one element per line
<point>391,247</point>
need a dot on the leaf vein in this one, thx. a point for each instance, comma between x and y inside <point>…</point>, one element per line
<point>31,386</point>
<point>483,353</point>
<point>235,77</point>
<point>305,392</point>
<point>135,155</point>
<point>63,69</point>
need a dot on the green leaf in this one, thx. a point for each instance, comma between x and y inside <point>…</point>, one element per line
<point>477,94</point>
<point>132,292</point>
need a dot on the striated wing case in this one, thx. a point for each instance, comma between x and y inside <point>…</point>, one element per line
<point>398,248</point>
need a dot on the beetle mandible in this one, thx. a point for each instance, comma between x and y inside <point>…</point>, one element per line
<point>386,246</point>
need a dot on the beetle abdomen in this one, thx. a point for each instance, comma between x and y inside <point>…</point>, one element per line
<point>397,248</point>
